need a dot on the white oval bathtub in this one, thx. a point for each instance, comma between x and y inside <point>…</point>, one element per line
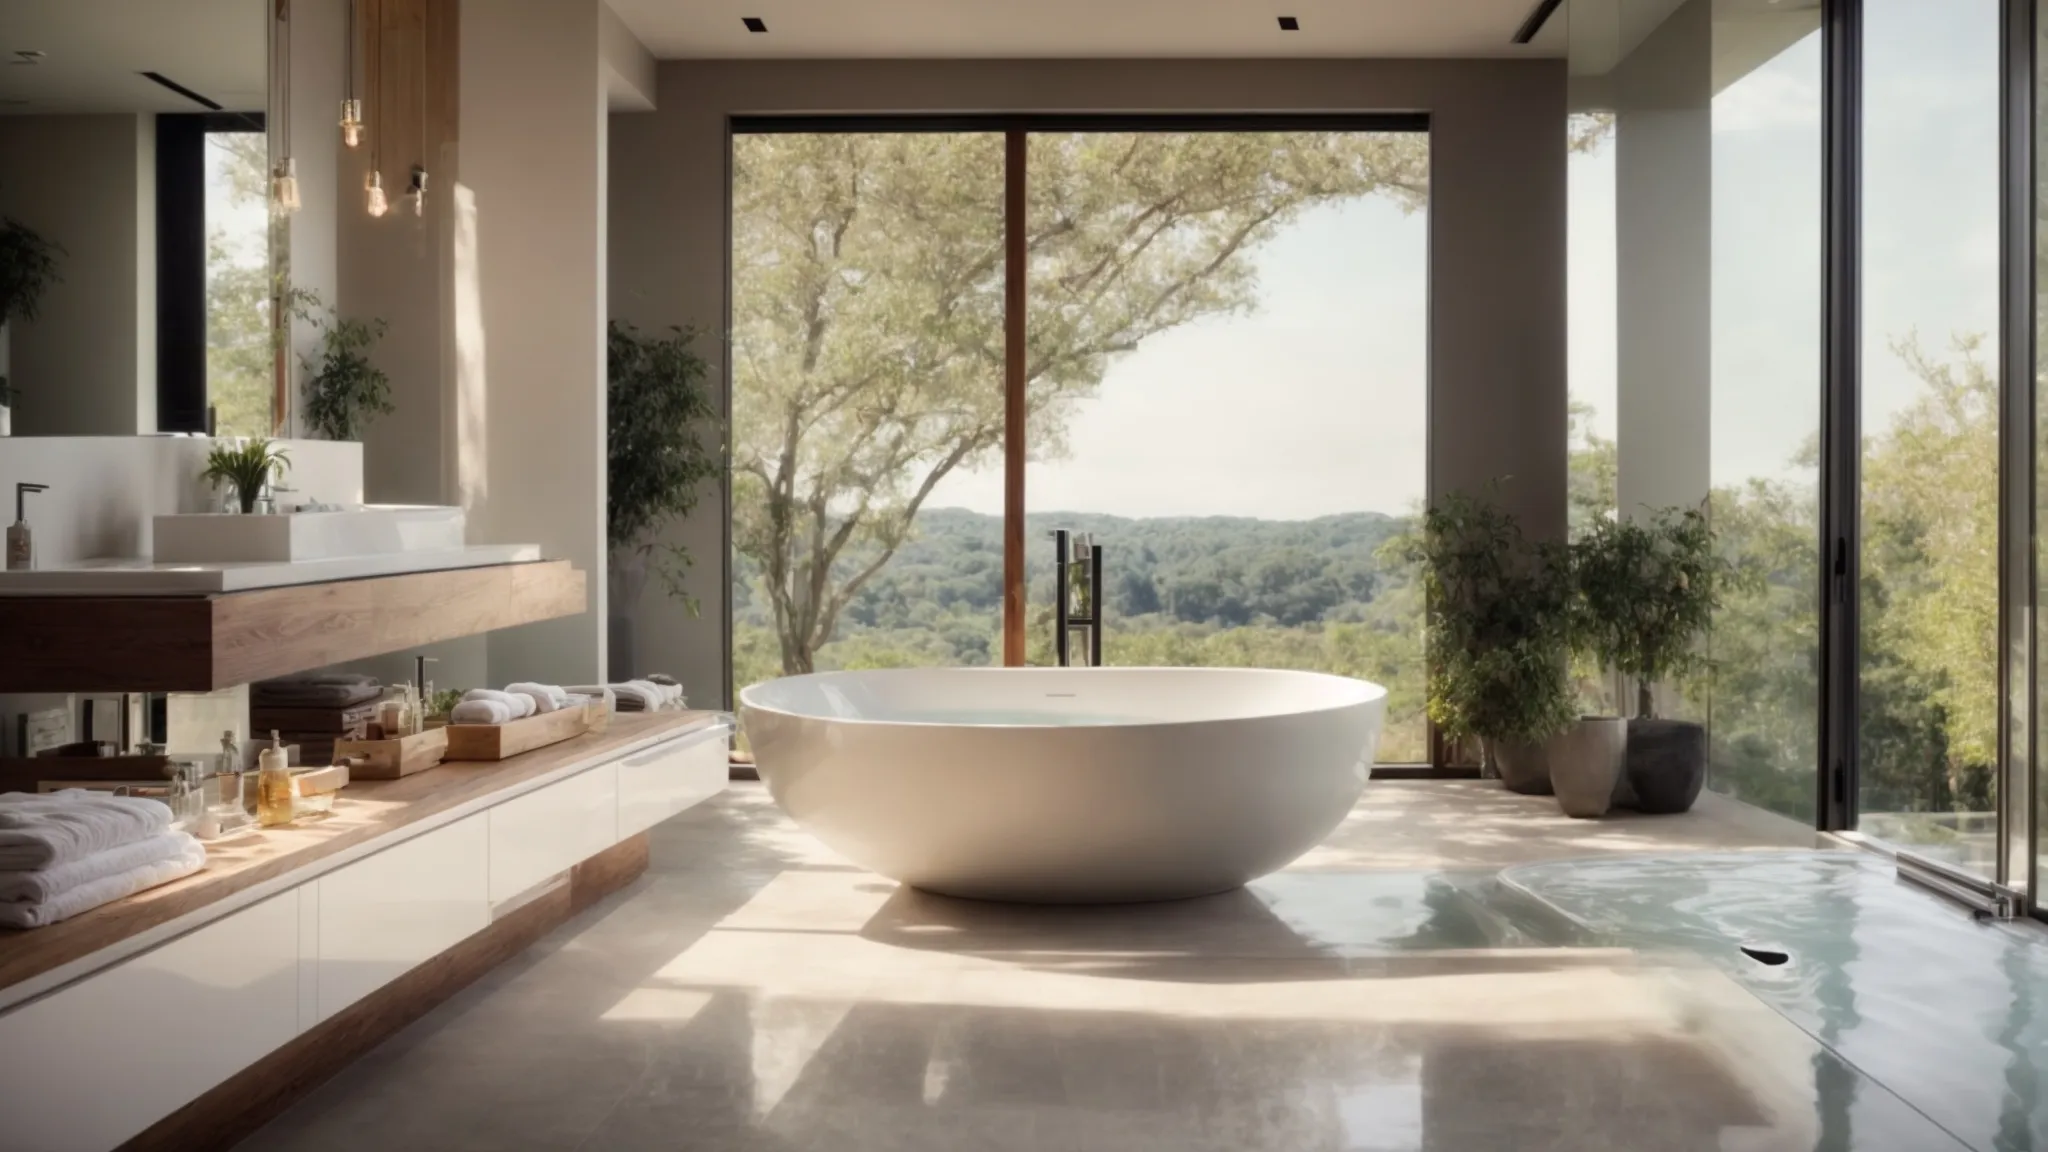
<point>1066,785</point>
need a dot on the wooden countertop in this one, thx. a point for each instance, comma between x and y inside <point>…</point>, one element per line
<point>363,812</point>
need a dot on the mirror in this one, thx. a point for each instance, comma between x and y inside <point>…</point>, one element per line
<point>134,166</point>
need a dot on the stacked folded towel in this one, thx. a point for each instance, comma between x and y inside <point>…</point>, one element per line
<point>315,690</point>
<point>638,695</point>
<point>64,853</point>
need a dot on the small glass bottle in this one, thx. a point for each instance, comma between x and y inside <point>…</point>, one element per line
<point>273,786</point>
<point>227,781</point>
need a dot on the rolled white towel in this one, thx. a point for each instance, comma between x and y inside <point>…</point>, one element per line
<point>481,712</point>
<point>521,706</point>
<point>93,893</point>
<point>49,883</point>
<point>546,697</point>
<point>44,830</point>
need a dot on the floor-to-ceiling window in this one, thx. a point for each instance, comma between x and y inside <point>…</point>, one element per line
<point>1695,335</point>
<point>1229,383</point>
<point>867,373</point>
<point>1929,520</point>
<point>1224,377</point>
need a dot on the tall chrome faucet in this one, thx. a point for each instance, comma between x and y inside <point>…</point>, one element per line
<point>1077,597</point>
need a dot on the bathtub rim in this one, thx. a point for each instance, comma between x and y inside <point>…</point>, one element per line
<point>1377,693</point>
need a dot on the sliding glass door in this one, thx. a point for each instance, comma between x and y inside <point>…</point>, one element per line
<point>1928,709</point>
<point>1222,377</point>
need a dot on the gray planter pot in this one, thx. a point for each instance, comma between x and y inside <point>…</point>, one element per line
<point>1524,768</point>
<point>1586,765</point>
<point>1667,764</point>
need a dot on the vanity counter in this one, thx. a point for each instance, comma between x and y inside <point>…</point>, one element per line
<point>368,816</point>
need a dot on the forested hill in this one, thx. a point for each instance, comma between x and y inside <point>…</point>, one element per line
<point>1226,571</point>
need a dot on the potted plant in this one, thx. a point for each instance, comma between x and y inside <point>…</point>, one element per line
<point>245,469</point>
<point>1647,589</point>
<point>1499,617</point>
<point>346,387</point>
<point>663,444</point>
<point>28,267</point>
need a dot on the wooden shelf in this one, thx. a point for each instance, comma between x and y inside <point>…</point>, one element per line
<point>201,643</point>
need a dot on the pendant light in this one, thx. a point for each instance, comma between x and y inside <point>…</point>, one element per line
<point>417,193</point>
<point>284,177</point>
<point>351,108</point>
<point>374,200</point>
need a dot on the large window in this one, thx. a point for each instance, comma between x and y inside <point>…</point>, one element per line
<point>1224,377</point>
<point>1929,501</point>
<point>238,336</point>
<point>1695,343</point>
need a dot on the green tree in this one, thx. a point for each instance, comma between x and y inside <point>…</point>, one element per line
<point>238,336</point>
<point>868,312</point>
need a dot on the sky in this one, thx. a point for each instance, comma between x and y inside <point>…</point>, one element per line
<point>1314,403</point>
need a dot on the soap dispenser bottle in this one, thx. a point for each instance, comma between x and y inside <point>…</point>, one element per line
<point>21,546</point>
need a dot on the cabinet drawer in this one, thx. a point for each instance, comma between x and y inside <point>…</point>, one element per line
<point>549,830</point>
<point>96,1062</point>
<point>656,783</point>
<point>385,913</point>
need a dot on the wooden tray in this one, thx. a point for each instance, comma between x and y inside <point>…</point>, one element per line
<point>390,759</point>
<point>499,741</point>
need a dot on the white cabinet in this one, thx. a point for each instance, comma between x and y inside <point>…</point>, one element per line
<point>656,783</point>
<point>550,829</point>
<point>385,913</point>
<point>94,1063</point>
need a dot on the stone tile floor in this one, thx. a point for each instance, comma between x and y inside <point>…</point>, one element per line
<point>755,992</point>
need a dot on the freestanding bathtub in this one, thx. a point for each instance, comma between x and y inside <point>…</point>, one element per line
<point>1066,785</point>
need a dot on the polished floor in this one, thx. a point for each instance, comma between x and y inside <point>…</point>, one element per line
<point>1386,993</point>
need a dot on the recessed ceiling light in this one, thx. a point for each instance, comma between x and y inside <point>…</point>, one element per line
<point>27,56</point>
<point>754,23</point>
<point>1289,24</point>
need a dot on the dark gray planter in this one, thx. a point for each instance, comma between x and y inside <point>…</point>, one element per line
<point>1667,764</point>
<point>1524,768</point>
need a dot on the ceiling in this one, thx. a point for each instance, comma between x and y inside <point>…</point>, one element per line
<point>691,29</point>
<point>96,50</point>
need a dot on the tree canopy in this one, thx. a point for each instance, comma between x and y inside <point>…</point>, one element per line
<point>868,311</point>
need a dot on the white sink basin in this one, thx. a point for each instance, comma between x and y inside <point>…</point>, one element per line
<point>379,529</point>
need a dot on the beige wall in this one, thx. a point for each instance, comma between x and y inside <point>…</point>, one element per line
<point>86,366</point>
<point>528,231</point>
<point>1497,237</point>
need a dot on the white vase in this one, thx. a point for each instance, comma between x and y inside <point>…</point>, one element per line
<point>6,420</point>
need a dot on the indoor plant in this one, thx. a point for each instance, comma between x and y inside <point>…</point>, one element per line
<point>663,444</point>
<point>1648,588</point>
<point>245,468</point>
<point>346,387</point>
<point>28,266</point>
<point>1499,618</point>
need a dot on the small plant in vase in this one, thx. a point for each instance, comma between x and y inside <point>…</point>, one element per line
<point>246,469</point>
<point>1499,611</point>
<point>1648,589</point>
<point>28,267</point>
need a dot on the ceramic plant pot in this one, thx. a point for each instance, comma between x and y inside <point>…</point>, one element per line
<point>1667,764</point>
<point>1586,765</point>
<point>1524,768</point>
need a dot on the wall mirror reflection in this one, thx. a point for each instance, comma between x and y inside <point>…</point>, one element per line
<point>137,247</point>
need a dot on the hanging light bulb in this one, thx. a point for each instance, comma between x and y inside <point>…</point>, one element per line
<point>376,204</point>
<point>284,187</point>
<point>418,192</point>
<point>352,122</point>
